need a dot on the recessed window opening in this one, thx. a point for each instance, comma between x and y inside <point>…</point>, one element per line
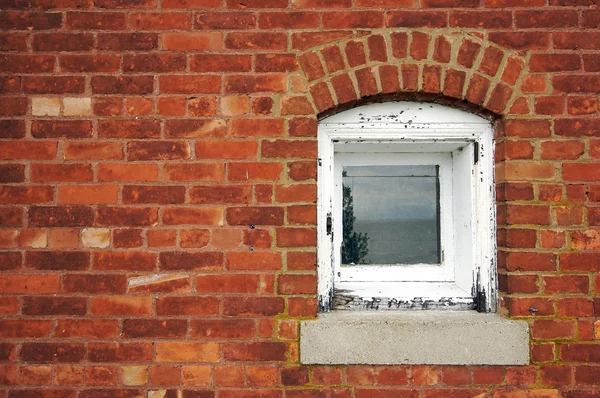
<point>406,209</point>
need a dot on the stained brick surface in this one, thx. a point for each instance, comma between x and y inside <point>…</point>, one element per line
<point>158,187</point>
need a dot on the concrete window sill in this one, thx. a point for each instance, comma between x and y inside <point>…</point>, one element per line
<point>423,338</point>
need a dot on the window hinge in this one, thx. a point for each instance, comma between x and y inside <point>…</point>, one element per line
<point>329,224</point>
<point>476,153</point>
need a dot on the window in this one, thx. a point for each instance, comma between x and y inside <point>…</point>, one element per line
<point>406,209</point>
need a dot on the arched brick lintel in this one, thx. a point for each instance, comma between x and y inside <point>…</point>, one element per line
<point>450,67</point>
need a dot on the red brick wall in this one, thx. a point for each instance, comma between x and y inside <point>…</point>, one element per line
<point>157,206</point>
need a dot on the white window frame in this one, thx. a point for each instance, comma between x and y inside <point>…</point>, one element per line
<point>412,133</point>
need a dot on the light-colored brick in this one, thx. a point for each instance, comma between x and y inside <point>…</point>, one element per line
<point>134,375</point>
<point>95,237</point>
<point>77,106</point>
<point>234,106</point>
<point>44,106</point>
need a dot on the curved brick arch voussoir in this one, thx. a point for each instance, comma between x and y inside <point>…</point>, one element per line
<point>451,66</point>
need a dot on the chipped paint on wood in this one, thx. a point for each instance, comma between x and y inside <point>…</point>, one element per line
<point>417,128</point>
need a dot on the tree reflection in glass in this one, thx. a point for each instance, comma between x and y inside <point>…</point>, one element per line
<point>391,215</point>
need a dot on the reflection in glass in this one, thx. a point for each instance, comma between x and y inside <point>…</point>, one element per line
<point>391,215</point>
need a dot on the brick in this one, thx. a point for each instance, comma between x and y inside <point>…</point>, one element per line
<point>275,63</point>
<point>196,375</point>
<point>248,84</point>
<point>416,19</point>
<point>127,238</point>
<point>34,238</point>
<point>194,238</point>
<point>296,193</point>
<point>256,41</point>
<point>162,375</point>
<point>95,284</point>
<point>190,84</point>
<point>109,172</point>
<point>86,328</point>
<point>205,261</point>
<point>187,352</point>
<point>296,237</point>
<point>55,260</point>
<point>296,284</point>
<point>122,84</point>
<point>124,261</point>
<point>127,41</point>
<point>63,42</point>
<point>549,105</point>
<point>61,129</point>
<point>253,261</point>
<point>119,352</point>
<point>222,329</point>
<point>579,352</point>
<point>68,375</point>
<point>14,106</point>
<point>171,106</point>
<point>144,63</point>
<point>25,194</point>
<point>194,216</point>
<point>138,194</point>
<point>264,351</point>
<point>530,261</point>
<point>100,376</point>
<point>590,62</point>
<point>262,106</point>
<point>88,194</point>
<point>352,19</point>
<point>187,305</point>
<point>521,40</point>
<point>579,262</point>
<point>25,328</point>
<point>97,21</point>
<point>121,305</point>
<point>133,375</point>
<point>20,63</point>
<point>191,41</point>
<point>8,239</point>
<point>159,21</point>
<point>45,106</point>
<point>161,238</point>
<point>255,215</point>
<point>289,149</point>
<point>288,20</point>
<point>53,85</point>
<point>576,40</point>
<point>230,20</point>
<point>553,329</point>
<point>10,173</point>
<point>554,62</point>
<point>565,284</point>
<point>158,150</point>
<point>481,19</point>
<point>147,128</point>
<point>52,352</point>
<point>11,216</point>
<point>92,150</point>
<point>523,306</point>
<point>192,4</point>
<point>152,328</point>
<point>117,216</point>
<point>584,105</point>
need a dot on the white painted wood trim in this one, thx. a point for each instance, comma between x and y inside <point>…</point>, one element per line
<point>350,130</point>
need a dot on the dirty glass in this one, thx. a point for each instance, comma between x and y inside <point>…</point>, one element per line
<point>391,215</point>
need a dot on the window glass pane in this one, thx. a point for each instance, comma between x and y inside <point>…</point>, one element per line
<point>391,215</point>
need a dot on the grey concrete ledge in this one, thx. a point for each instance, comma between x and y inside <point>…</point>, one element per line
<point>420,337</point>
